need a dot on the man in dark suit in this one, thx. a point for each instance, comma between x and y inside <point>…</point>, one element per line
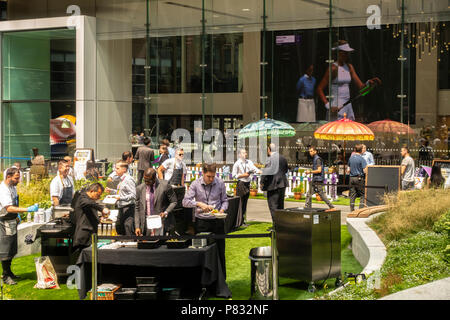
<point>274,180</point>
<point>85,215</point>
<point>154,197</point>
<point>145,155</point>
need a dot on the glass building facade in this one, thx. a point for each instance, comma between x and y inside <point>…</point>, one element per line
<point>157,65</point>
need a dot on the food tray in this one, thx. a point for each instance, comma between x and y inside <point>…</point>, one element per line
<point>145,280</point>
<point>105,295</point>
<point>178,244</point>
<point>126,294</point>
<point>147,295</point>
<point>148,244</point>
<point>148,287</point>
<point>220,215</point>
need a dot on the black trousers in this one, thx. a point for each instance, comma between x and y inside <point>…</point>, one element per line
<point>125,221</point>
<point>244,201</point>
<point>356,190</point>
<point>216,226</point>
<point>6,266</point>
<point>275,200</point>
<point>140,176</point>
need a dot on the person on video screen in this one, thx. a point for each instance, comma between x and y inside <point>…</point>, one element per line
<point>342,74</point>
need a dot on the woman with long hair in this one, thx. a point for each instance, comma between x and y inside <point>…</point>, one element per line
<point>436,180</point>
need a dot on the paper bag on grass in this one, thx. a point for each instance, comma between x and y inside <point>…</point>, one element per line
<point>46,275</point>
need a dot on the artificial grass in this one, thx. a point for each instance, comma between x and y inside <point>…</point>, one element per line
<point>341,201</point>
<point>238,271</point>
<point>238,265</point>
<point>23,290</point>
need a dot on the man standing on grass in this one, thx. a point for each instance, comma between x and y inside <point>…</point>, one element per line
<point>358,169</point>
<point>317,180</point>
<point>407,170</point>
<point>9,219</point>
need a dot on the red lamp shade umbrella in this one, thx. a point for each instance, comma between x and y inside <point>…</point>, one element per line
<point>389,126</point>
<point>344,129</point>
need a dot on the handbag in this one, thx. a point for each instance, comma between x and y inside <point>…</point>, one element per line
<point>242,188</point>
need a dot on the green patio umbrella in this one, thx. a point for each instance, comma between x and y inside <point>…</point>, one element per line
<point>267,127</point>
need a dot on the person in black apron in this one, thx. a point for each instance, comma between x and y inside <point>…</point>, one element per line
<point>243,169</point>
<point>9,211</point>
<point>177,178</point>
<point>65,181</point>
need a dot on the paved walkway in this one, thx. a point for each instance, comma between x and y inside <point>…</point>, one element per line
<point>257,210</point>
<point>437,290</point>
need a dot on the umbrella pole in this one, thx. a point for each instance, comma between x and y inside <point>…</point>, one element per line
<point>344,163</point>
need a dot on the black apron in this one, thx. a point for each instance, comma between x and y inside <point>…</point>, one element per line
<point>8,233</point>
<point>176,177</point>
<point>67,196</point>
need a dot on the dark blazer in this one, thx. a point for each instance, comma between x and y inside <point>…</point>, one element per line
<point>85,218</point>
<point>165,200</point>
<point>273,178</point>
<point>145,155</point>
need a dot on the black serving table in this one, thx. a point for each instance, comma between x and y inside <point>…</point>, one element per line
<point>187,267</point>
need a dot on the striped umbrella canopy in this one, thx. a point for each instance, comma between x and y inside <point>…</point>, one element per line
<point>389,126</point>
<point>344,129</point>
<point>267,127</point>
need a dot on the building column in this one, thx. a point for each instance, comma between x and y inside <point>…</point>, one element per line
<point>251,77</point>
<point>426,89</point>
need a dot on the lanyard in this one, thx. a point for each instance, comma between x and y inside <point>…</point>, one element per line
<point>207,195</point>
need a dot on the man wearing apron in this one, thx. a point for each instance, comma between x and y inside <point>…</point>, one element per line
<point>126,196</point>
<point>243,169</point>
<point>62,186</point>
<point>174,169</point>
<point>9,211</point>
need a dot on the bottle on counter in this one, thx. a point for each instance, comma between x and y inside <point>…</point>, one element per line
<point>108,233</point>
<point>29,217</point>
<point>99,231</point>
<point>114,231</point>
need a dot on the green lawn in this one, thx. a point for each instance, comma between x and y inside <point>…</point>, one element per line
<point>238,271</point>
<point>342,201</point>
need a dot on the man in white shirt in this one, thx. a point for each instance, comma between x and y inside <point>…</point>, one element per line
<point>18,166</point>
<point>368,156</point>
<point>9,210</point>
<point>71,173</point>
<point>242,171</point>
<point>407,170</point>
<point>173,170</point>
<point>126,196</point>
<point>62,187</point>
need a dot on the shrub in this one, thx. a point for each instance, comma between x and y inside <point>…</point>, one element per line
<point>411,212</point>
<point>443,224</point>
<point>410,262</point>
<point>419,259</point>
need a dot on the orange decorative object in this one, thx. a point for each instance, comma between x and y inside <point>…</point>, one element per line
<point>389,126</point>
<point>344,129</point>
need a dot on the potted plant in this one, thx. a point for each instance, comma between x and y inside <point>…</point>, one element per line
<point>298,191</point>
<point>253,189</point>
<point>233,187</point>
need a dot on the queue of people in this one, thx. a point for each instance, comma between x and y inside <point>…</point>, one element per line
<point>138,201</point>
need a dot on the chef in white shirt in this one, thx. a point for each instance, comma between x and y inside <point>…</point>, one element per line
<point>62,187</point>
<point>9,218</point>
<point>242,171</point>
<point>16,165</point>
<point>173,170</point>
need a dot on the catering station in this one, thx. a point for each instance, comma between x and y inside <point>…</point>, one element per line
<point>165,262</point>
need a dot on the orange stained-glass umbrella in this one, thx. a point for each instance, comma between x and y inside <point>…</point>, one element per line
<point>390,126</point>
<point>346,130</point>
